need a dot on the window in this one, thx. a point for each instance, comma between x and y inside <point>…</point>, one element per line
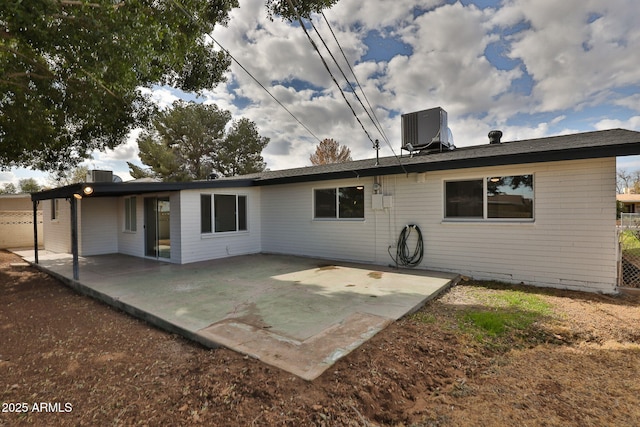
<point>510,196</point>
<point>55,209</point>
<point>464,199</point>
<point>496,197</point>
<point>130,219</point>
<point>205,213</point>
<point>229,213</point>
<point>339,203</point>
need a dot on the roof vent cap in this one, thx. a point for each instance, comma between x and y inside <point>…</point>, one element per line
<point>494,137</point>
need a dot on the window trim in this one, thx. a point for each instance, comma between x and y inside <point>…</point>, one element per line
<point>337,216</point>
<point>237,215</point>
<point>485,202</point>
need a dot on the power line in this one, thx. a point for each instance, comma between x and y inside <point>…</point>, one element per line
<point>329,70</point>
<point>379,125</point>
<point>375,144</point>
<point>195,21</point>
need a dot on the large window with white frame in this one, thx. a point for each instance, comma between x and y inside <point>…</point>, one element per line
<point>130,216</point>
<point>339,203</point>
<point>508,197</point>
<point>222,213</point>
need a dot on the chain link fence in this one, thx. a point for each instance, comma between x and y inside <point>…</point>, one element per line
<point>629,238</point>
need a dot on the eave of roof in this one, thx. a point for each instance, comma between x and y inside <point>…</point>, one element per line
<point>587,145</point>
<point>111,189</point>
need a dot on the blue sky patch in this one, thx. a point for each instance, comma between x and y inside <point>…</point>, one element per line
<point>497,54</point>
<point>384,48</point>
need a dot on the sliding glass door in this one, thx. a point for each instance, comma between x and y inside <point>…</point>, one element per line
<point>157,216</point>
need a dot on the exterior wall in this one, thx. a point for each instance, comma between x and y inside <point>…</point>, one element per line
<point>98,225</point>
<point>289,227</point>
<point>195,246</point>
<point>16,221</point>
<point>571,243</point>
<point>131,242</point>
<point>57,232</point>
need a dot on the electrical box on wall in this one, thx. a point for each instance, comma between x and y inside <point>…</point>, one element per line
<point>376,202</point>
<point>387,202</point>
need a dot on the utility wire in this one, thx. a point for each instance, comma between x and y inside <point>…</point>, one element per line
<point>353,90</point>
<point>329,70</point>
<point>379,125</point>
<point>195,21</point>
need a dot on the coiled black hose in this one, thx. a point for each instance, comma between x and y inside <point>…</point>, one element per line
<point>402,248</point>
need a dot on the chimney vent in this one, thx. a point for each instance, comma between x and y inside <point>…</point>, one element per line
<point>494,137</point>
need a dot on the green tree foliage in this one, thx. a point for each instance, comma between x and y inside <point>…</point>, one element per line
<point>67,177</point>
<point>190,141</point>
<point>137,172</point>
<point>29,185</point>
<point>70,71</point>
<point>287,8</point>
<point>329,151</point>
<point>9,188</point>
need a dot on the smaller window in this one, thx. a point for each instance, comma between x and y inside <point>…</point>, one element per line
<point>464,199</point>
<point>55,209</point>
<point>130,218</point>
<point>339,203</point>
<point>229,213</point>
<point>205,213</point>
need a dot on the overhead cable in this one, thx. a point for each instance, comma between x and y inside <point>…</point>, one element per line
<point>379,125</point>
<point>195,21</point>
<point>329,70</point>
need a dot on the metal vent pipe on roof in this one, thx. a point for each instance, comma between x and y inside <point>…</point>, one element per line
<point>494,137</point>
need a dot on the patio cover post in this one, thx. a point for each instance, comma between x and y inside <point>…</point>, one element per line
<point>74,236</point>
<point>35,230</point>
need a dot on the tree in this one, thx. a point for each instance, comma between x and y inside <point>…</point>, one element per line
<point>137,172</point>
<point>70,71</point>
<point>627,181</point>
<point>329,151</point>
<point>9,188</point>
<point>67,177</point>
<point>190,141</point>
<point>240,153</point>
<point>289,9</point>
<point>29,185</point>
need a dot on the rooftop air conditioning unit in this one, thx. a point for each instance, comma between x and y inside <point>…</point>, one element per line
<point>426,131</point>
<point>99,176</point>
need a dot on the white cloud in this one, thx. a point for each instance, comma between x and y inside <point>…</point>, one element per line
<point>571,59</point>
<point>7,177</point>
<point>632,123</point>
<point>580,54</point>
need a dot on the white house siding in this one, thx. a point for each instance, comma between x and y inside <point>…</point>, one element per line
<point>288,225</point>
<point>131,242</point>
<point>571,243</point>
<point>98,225</point>
<point>57,233</point>
<point>195,246</point>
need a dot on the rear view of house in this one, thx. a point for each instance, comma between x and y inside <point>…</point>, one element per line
<point>539,211</point>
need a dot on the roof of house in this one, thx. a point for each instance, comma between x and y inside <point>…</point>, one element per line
<point>628,198</point>
<point>588,145</point>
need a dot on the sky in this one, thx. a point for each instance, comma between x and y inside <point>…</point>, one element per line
<point>531,68</point>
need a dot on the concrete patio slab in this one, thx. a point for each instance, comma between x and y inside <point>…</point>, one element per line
<point>299,314</point>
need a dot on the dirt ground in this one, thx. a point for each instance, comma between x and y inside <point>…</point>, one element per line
<point>68,360</point>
